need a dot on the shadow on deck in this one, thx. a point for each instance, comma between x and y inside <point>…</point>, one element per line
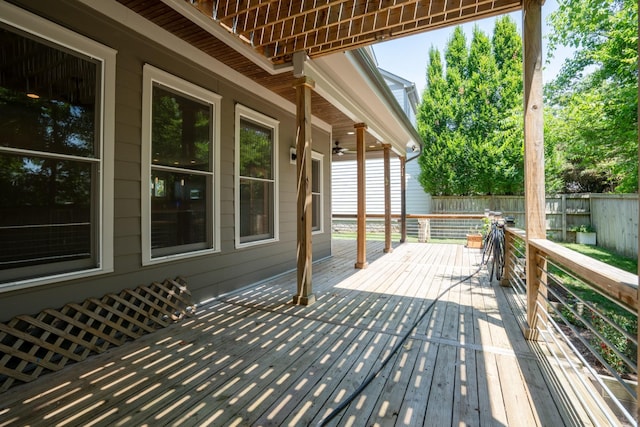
<point>253,358</point>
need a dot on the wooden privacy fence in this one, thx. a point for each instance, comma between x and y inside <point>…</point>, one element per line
<point>614,216</point>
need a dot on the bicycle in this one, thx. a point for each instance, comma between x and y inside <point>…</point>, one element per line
<point>493,246</point>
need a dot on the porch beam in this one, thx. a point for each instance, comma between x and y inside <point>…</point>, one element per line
<point>387,198</point>
<point>304,295</point>
<point>533,153</point>
<point>361,255</point>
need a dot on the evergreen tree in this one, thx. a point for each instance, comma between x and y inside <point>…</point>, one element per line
<point>471,120</point>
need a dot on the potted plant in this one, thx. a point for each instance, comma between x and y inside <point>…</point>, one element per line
<point>585,234</point>
<point>475,237</point>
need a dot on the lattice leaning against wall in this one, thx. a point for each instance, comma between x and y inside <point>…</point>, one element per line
<point>32,346</point>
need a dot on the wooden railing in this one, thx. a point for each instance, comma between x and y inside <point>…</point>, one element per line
<point>424,227</point>
<point>586,313</point>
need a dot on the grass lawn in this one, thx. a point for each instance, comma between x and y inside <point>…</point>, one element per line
<point>606,256</point>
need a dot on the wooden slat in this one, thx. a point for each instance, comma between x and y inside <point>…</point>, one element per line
<point>33,346</point>
<point>254,358</point>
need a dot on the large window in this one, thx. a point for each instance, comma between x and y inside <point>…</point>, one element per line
<point>317,218</point>
<point>256,171</point>
<point>56,129</point>
<point>179,207</point>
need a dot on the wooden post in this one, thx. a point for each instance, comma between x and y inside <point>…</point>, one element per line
<point>304,295</point>
<point>533,152</point>
<point>509,254</point>
<point>403,200</point>
<point>361,256</point>
<point>387,199</point>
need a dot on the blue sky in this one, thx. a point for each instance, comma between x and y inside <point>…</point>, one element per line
<point>407,57</point>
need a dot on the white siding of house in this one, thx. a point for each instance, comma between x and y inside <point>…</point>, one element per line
<point>344,188</point>
<point>418,202</point>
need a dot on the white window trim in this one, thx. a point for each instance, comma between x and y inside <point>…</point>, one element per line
<point>247,113</point>
<point>320,157</point>
<point>60,36</point>
<point>153,75</point>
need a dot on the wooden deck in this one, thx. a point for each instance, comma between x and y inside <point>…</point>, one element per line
<point>253,358</point>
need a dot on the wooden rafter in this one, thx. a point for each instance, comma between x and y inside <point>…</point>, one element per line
<point>278,28</point>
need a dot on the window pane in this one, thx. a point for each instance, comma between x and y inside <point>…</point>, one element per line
<point>315,176</point>
<point>256,210</point>
<point>256,150</point>
<point>181,135</point>
<point>178,212</point>
<point>48,97</point>
<point>45,211</point>
<point>315,221</point>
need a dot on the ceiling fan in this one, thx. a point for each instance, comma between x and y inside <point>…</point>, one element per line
<point>338,149</point>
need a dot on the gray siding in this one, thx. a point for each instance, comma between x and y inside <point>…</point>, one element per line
<point>207,276</point>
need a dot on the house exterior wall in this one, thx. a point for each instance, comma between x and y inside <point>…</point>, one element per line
<point>345,186</point>
<point>207,276</point>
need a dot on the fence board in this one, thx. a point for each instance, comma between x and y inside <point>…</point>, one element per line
<point>614,216</point>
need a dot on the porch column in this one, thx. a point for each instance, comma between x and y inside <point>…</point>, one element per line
<point>303,86</point>
<point>403,200</point>
<point>387,199</point>
<point>361,256</point>
<point>533,154</point>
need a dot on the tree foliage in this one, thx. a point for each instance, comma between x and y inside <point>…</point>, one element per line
<point>470,117</point>
<point>594,99</point>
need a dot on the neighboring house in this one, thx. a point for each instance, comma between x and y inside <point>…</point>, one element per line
<point>138,144</point>
<point>344,171</point>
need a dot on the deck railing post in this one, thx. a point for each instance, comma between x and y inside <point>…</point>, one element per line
<point>535,202</point>
<point>509,254</point>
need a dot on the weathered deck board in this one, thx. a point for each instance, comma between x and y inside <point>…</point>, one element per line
<point>252,358</point>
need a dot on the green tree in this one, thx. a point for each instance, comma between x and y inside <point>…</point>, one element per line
<point>594,99</point>
<point>471,119</point>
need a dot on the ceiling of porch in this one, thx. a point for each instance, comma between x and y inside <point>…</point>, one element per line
<point>257,38</point>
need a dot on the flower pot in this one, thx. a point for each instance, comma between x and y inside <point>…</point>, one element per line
<point>586,238</point>
<point>474,241</point>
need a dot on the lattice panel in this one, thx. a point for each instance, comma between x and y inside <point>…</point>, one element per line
<point>32,346</point>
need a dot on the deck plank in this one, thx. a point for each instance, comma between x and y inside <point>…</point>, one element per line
<point>252,358</point>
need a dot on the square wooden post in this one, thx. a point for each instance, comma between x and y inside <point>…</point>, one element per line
<point>304,295</point>
<point>509,254</point>
<point>387,199</point>
<point>403,199</point>
<point>533,152</point>
<point>361,256</point>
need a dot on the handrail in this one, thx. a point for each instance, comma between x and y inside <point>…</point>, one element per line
<point>618,284</point>
<point>585,335</point>
<point>415,216</point>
